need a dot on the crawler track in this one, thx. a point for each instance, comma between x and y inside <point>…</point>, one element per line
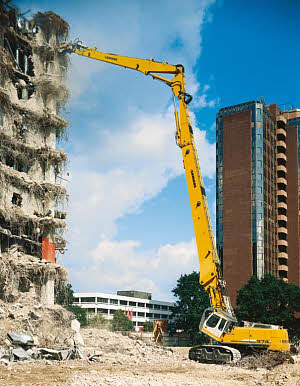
<point>214,354</point>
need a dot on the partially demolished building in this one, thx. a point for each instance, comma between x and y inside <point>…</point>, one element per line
<point>32,94</point>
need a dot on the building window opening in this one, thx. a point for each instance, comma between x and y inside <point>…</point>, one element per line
<point>16,199</point>
<point>25,92</point>
<point>283,274</point>
<point>102,310</point>
<point>9,161</point>
<point>88,300</point>
<point>213,321</point>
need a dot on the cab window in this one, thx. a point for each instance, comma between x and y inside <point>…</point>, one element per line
<point>222,324</point>
<point>213,321</point>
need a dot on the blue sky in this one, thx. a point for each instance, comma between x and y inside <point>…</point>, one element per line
<point>129,220</point>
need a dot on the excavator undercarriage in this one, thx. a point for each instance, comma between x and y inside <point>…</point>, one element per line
<point>214,354</point>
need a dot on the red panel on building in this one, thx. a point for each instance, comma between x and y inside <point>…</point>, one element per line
<point>48,250</point>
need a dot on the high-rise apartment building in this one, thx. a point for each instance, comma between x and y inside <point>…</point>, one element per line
<point>258,166</point>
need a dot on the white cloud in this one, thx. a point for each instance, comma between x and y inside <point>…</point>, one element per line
<point>202,101</point>
<point>116,265</point>
<point>124,146</point>
<point>124,170</point>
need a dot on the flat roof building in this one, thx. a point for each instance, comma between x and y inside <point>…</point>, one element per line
<point>257,162</point>
<point>142,309</point>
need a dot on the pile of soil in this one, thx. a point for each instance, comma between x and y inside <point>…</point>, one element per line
<point>267,360</point>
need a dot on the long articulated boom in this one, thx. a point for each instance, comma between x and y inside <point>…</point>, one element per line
<point>218,321</point>
<point>210,276</point>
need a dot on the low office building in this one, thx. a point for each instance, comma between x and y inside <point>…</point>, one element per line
<point>139,305</point>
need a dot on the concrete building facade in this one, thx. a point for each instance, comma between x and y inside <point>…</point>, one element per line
<point>32,93</point>
<point>258,165</point>
<point>142,308</point>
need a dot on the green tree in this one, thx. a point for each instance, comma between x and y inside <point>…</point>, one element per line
<point>271,301</point>
<point>188,310</point>
<point>98,320</point>
<point>64,294</point>
<point>148,326</point>
<point>121,322</point>
<point>80,314</point>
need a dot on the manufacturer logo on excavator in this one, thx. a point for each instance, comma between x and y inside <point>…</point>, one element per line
<point>111,58</point>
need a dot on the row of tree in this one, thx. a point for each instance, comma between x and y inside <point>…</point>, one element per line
<point>269,300</point>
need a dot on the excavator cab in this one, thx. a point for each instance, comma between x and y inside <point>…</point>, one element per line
<point>216,322</point>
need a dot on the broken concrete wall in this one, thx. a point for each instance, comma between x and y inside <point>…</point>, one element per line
<point>22,275</point>
<point>32,94</point>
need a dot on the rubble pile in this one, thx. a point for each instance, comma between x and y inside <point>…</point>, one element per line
<point>49,325</point>
<point>26,293</point>
<point>115,347</point>
<point>267,360</point>
<point>24,347</point>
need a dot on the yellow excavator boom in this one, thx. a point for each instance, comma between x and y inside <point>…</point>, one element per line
<point>218,322</point>
<point>210,275</point>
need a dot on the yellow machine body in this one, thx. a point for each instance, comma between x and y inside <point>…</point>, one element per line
<point>271,339</point>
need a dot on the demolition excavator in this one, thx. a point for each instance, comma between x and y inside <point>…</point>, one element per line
<point>218,322</point>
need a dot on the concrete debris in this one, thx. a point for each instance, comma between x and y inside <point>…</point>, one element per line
<point>25,307</point>
<point>75,325</point>
<point>23,352</point>
<point>20,339</point>
<point>20,354</point>
<point>103,345</point>
<point>22,275</point>
<point>48,353</point>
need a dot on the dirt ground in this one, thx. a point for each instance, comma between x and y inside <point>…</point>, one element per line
<point>169,368</point>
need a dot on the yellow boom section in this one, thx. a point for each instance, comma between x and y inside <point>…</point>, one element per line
<point>210,276</point>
